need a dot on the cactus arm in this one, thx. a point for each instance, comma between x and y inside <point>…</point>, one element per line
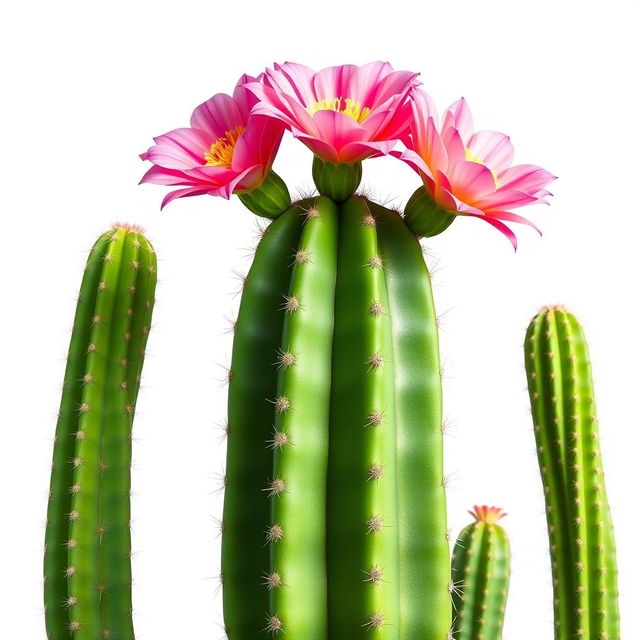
<point>362,521</point>
<point>253,385</point>
<point>424,550</point>
<point>542,367</point>
<point>300,441</point>
<point>563,406</point>
<point>480,572</point>
<point>60,499</point>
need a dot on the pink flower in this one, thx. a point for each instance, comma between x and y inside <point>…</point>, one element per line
<point>467,173</point>
<point>225,150</point>
<point>343,114</point>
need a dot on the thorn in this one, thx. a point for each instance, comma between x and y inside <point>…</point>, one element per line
<point>375,418</point>
<point>376,620</point>
<point>374,574</point>
<point>274,624</point>
<point>272,580</point>
<point>274,533</point>
<point>291,304</point>
<point>376,309</point>
<point>276,487</point>
<point>285,359</point>
<point>374,524</point>
<point>282,403</point>
<point>375,262</point>
<point>280,439</point>
<point>376,471</point>
<point>375,361</point>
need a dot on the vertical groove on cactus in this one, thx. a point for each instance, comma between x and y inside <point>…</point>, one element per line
<point>581,534</point>
<point>87,559</point>
<point>300,440</point>
<point>248,528</point>
<point>480,577</point>
<point>422,518</point>
<point>362,519</point>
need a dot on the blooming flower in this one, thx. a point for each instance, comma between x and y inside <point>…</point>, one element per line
<point>225,150</point>
<point>343,114</point>
<point>467,173</point>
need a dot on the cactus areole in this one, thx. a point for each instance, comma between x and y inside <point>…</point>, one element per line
<point>334,524</point>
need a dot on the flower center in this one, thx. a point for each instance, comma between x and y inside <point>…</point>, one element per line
<point>472,157</point>
<point>220,153</point>
<point>347,106</point>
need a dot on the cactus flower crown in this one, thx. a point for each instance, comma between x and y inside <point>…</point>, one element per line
<point>344,115</point>
<point>488,515</point>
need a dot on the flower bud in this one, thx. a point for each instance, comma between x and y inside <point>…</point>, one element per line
<point>269,199</point>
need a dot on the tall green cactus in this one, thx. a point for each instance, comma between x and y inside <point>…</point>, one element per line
<point>579,521</point>
<point>334,521</point>
<point>480,569</point>
<point>87,569</point>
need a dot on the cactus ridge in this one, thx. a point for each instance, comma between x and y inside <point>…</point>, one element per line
<point>480,579</point>
<point>87,554</point>
<point>328,398</point>
<point>579,521</point>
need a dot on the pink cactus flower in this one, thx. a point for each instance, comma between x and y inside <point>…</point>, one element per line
<point>343,114</point>
<point>467,173</point>
<point>226,149</point>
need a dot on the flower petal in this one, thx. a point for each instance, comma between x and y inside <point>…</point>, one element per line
<point>458,115</point>
<point>217,115</point>
<point>525,177</point>
<point>493,149</point>
<point>179,149</point>
<point>471,180</point>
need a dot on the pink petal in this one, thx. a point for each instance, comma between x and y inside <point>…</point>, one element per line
<point>493,149</point>
<point>185,193</point>
<point>258,144</point>
<point>319,147</point>
<point>293,79</point>
<point>525,177</point>
<point>470,180</point>
<point>358,151</point>
<point>217,115</point>
<point>503,199</point>
<point>454,146</point>
<point>244,98</point>
<point>179,149</point>
<point>168,177</point>
<point>512,217</point>
<point>333,82</point>
<point>502,228</point>
<point>414,160</point>
<point>337,128</point>
<point>459,117</point>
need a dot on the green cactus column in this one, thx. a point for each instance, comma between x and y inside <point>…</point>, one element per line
<point>579,521</point>
<point>334,521</point>
<point>87,569</point>
<point>480,569</point>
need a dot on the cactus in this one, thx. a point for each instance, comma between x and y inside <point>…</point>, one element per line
<point>87,569</point>
<point>480,577</point>
<point>334,520</point>
<point>581,536</point>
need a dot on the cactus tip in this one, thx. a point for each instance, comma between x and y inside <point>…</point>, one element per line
<point>488,515</point>
<point>128,227</point>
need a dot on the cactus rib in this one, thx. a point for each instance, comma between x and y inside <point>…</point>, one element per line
<point>252,387</point>
<point>424,549</point>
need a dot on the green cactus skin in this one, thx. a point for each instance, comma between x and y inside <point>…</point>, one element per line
<point>362,536</point>
<point>480,570</point>
<point>580,529</point>
<point>252,388</point>
<point>87,571</point>
<point>422,509</point>
<point>334,432</point>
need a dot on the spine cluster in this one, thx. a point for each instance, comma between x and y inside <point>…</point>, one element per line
<point>579,521</point>
<point>334,519</point>
<point>87,571</point>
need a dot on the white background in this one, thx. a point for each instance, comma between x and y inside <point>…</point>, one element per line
<point>86,86</point>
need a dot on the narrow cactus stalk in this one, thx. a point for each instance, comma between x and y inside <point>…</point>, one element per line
<point>334,522</point>
<point>480,569</point>
<point>579,521</point>
<point>87,566</point>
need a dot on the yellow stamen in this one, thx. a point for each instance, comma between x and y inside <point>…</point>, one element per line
<point>347,106</point>
<point>220,153</point>
<point>471,157</point>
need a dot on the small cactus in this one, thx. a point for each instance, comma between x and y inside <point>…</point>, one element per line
<point>87,571</point>
<point>480,569</point>
<point>581,536</point>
